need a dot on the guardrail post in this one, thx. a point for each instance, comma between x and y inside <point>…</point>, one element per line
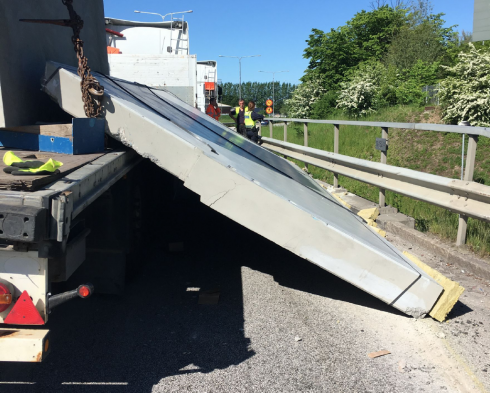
<point>270,128</point>
<point>305,132</point>
<point>382,197</point>
<point>336,151</point>
<point>285,131</point>
<point>468,177</point>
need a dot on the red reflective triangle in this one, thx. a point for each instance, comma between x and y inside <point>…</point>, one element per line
<point>24,312</point>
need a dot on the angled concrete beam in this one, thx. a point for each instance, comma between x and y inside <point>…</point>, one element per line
<point>253,187</point>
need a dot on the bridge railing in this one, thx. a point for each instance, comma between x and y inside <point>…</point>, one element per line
<point>465,197</point>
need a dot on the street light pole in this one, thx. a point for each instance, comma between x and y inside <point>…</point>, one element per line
<point>273,80</point>
<point>240,68</point>
<point>163,16</point>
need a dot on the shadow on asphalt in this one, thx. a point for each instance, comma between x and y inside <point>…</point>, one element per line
<point>157,330</point>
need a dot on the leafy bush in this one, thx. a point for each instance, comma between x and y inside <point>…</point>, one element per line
<point>360,95</point>
<point>306,94</point>
<point>466,91</point>
<point>325,106</point>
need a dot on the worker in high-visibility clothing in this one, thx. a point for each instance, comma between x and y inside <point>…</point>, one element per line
<point>238,114</point>
<point>213,109</point>
<point>251,116</point>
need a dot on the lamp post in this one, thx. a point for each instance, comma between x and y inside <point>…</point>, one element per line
<point>163,16</point>
<point>171,26</point>
<point>273,99</point>
<point>240,66</point>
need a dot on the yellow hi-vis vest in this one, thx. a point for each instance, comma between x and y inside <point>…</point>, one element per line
<point>237,111</point>
<point>249,123</point>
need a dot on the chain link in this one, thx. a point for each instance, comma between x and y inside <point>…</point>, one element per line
<point>92,91</point>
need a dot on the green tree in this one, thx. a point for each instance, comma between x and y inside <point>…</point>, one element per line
<point>258,92</point>
<point>364,37</point>
<point>422,39</point>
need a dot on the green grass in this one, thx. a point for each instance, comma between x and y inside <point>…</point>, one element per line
<point>425,151</point>
<point>226,119</point>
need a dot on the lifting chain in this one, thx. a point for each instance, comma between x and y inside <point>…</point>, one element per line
<point>92,91</point>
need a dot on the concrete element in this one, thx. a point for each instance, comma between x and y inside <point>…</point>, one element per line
<point>25,48</point>
<point>357,202</point>
<point>468,198</point>
<point>255,188</point>
<point>388,210</point>
<point>451,294</point>
<point>24,271</point>
<point>465,260</point>
<point>384,219</point>
<point>23,345</point>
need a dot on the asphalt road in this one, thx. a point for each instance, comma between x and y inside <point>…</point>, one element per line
<point>281,325</point>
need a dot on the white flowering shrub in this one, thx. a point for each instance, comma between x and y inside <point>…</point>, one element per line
<point>306,94</point>
<point>465,93</point>
<point>360,95</point>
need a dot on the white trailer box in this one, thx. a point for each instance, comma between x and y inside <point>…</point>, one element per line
<point>157,55</point>
<point>207,82</point>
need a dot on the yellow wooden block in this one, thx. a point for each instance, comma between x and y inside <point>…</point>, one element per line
<point>371,223</point>
<point>378,231</point>
<point>450,295</point>
<point>369,214</point>
<point>341,201</point>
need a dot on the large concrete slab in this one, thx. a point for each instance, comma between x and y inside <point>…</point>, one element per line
<point>256,188</point>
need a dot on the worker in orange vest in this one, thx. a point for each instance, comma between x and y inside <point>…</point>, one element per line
<point>213,109</point>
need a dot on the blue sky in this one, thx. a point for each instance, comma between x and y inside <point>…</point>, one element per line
<point>277,30</point>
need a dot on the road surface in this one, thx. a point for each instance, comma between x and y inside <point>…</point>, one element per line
<point>281,325</point>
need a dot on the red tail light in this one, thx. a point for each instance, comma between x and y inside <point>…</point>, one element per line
<point>5,297</point>
<point>84,291</point>
<point>24,312</point>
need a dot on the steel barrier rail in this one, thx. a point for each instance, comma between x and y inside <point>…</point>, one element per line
<point>473,133</point>
<point>483,131</point>
<point>458,196</point>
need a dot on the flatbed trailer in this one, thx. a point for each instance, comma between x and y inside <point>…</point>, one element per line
<point>43,240</point>
<point>230,174</point>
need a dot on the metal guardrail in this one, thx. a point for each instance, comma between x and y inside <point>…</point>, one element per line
<point>465,197</point>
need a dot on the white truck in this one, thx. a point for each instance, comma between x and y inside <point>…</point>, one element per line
<point>157,54</point>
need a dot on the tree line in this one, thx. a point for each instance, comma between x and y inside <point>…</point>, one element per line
<point>258,92</point>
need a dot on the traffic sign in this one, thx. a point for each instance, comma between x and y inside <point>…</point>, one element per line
<point>268,110</point>
<point>268,103</point>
